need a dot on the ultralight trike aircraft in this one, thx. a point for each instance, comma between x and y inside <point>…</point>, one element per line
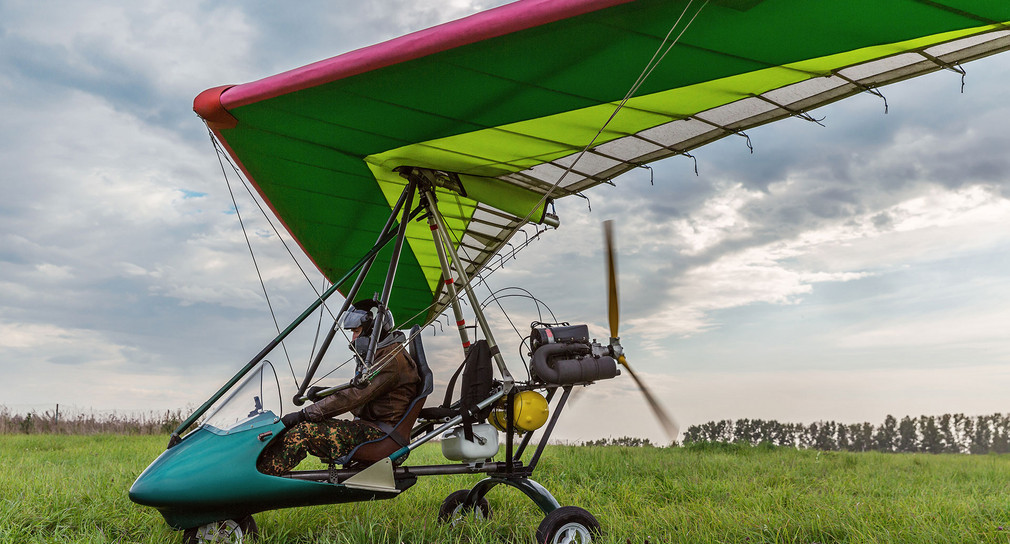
<point>405,168</point>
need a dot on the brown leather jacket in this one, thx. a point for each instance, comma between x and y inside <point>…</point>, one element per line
<point>385,399</point>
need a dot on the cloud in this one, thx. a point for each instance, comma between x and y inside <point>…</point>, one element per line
<point>125,280</point>
<point>145,59</point>
<point>118,235</point>
<point>952,331</point>
<point>62,345</point>
<point>938,222</point>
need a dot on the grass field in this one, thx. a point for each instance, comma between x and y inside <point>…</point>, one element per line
<point>74,489</point>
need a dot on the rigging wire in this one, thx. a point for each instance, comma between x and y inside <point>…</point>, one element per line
<point>290,253</point>
<point>319,328</point>
<point>646,72</point>
<point>338,367</point>
<point>266,215</point>
<point>252,254</point>
<point>476,281</point>
<point>650,66</point>
<point>479,276</point>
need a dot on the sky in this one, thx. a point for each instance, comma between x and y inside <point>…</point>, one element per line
<point>844,272</point>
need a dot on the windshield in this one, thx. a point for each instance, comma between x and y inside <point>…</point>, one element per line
<point>258,397</point>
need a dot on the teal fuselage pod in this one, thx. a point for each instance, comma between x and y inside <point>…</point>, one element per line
<point>211,475</point>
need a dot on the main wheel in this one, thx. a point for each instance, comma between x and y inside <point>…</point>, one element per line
<point>451,511</point>
<point>229,531</point>
<point>568,525</point>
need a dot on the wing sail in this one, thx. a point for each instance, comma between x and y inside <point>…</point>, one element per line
<point>507,100</point>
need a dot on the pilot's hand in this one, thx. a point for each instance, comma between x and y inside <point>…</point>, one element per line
<point>292,419</point>
<point>313,393</point>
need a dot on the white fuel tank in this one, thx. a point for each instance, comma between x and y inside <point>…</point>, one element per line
<point>456,447</point>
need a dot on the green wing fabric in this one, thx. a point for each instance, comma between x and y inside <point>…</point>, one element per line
<point>510,97</point>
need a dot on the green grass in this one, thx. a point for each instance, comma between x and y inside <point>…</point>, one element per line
<point>56,488</point>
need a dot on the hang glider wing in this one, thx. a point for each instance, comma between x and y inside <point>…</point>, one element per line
<point>508,98</point>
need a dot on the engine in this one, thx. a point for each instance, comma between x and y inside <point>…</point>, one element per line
<point>564,355</point>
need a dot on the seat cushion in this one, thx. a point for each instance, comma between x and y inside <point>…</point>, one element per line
<point>378,449</point>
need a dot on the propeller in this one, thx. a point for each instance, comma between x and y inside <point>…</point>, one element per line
<point>668,424</point>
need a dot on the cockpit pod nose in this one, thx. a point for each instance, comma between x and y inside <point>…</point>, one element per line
<point>209,470</point>
<point>211,476</point>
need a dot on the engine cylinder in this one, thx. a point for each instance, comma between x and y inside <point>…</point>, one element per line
<point>569,364</point>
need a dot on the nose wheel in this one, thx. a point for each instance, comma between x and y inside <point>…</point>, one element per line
<point>229,531</point>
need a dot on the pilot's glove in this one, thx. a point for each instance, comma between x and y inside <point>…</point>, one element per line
<point>294,418</point>
<point>313,393</point>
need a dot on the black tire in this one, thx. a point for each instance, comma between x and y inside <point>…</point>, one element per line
<point>568,525</point>
<point>232,531</point>
<point>451,510</point>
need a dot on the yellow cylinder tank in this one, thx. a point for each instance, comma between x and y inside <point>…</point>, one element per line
<point>529,412</point>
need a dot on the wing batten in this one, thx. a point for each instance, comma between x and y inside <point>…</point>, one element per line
<point>715,123</point>
<point>512,96</point>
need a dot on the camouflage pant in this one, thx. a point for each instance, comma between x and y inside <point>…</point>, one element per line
<point>331,438</point>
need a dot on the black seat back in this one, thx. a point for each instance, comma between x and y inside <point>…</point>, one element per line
<point>476,386</point>
<point>416,351</point>
<point>478,378</point>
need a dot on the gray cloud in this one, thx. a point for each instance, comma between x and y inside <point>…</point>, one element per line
<point>122,267</point>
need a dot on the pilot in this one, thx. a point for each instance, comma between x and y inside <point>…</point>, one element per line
<point>376,408</point>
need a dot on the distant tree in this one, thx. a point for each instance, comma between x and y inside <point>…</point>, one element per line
<point>808,436</point>
<point>754,431</point>
<point>804,436</point>
<point>1000,442</point>
<point>842,440</point>
<point>692,434</point>
<point>787,434</point>
<point>823,435</point>
<point>721,431</point>
<point>867,432</point>
<point>907,436</point>
<point>886,438</point>
<point>766,431</point>
<point>860,436</point>
<point>964,427</point>
<point>946,423</point>
<point>949,433</point>
<point>743,431</point>
<point>981,439</point>
<point>712,431</point>
<point>27,424</point>
<point>1000,434</point>
<point>627,441</point>
<point>931,441</point>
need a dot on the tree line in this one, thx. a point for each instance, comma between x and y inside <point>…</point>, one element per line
<point>949,433</point>
<point>54,422</point>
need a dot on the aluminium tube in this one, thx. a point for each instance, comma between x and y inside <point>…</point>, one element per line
<point>447,278</point>
<point>299,399</point>
<point>496,467</point>
<point>507,378</point>
<point>387,287</point>
<point>550,427</point>
<point>176,435</point>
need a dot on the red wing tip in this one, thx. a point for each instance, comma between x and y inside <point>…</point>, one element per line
<point>208,106</point>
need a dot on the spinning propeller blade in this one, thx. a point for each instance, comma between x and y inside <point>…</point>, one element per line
<point>612,307</point>
<point>668,424</point>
